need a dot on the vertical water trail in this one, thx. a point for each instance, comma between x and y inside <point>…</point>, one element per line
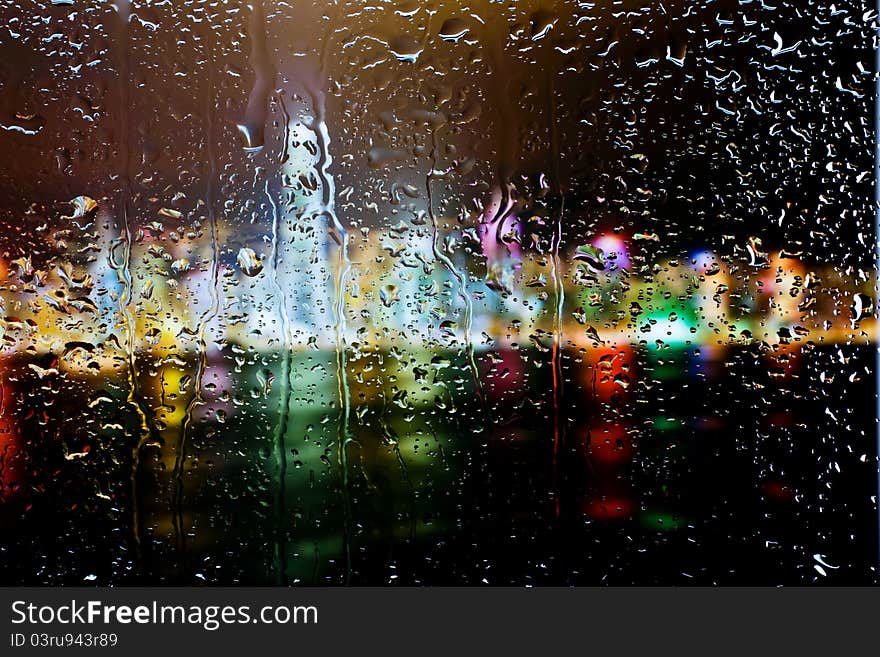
<point>877,255</point>
<point>253,124</point>
<point>558,289</point>
<point>460,278</point>
<point>343,267</point>
<point>508,139</point>
<point>284,402</point>
<point>208,315</point>
<point>393,439</point>
<point>135,397</point>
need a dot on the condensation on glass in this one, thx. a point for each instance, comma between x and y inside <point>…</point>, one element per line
<point>437,292</point>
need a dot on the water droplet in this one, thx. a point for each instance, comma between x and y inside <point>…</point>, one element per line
<point>248,262</point>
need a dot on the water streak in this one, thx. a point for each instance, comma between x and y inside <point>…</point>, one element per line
<point>393,440</point>
<point>558,289</point>
<point>253,125</point>
<point>284,403</point>
<point>343,267</point>
<point>207,316</point>
<point>135,397</point>
<point>460,278</point>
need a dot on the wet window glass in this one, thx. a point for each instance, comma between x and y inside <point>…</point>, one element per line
<point>432,293</point>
